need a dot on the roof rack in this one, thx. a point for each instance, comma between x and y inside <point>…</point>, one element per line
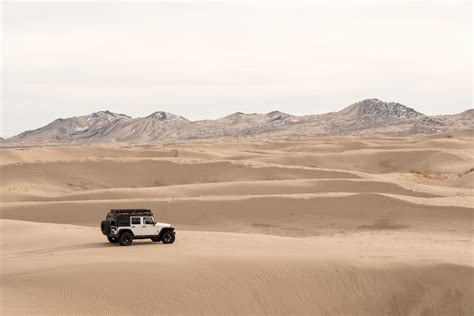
<point>131,211</point>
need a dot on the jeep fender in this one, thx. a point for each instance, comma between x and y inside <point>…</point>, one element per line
<point>120,232</point>
<point>163,230</point>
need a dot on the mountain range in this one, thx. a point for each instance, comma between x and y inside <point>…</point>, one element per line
<point>370,116</point>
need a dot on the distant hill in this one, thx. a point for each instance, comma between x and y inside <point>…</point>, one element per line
<point>379,110</point>
<point>370,116</point>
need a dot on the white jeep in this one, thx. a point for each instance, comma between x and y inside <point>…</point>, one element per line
<point>123,225</point>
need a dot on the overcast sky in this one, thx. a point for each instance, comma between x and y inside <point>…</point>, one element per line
<point>205,59</point>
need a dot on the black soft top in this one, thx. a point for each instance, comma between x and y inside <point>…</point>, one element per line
<point>138,211</point>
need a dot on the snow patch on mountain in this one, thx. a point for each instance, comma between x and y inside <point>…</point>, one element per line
<point>105,116</point>
<point>166,116</point>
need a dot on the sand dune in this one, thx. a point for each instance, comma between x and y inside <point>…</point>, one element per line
<point>291,215</point>
<point>238,188</point>
<point>225,273</point>
<point>326,226</point>
<point>63,176</point>
<point>465,181</point>
<point>58,153</point>
<point>377,161</point>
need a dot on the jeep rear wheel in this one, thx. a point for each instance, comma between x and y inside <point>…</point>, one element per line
<point>168,237</point>
<point>112,240</point>
<point>125,239</point>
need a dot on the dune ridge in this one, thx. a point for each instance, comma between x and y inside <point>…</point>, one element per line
<point>244,188</point>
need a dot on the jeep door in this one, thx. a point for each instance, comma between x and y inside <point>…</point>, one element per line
<point>148,226</point>
<point>136,225</point>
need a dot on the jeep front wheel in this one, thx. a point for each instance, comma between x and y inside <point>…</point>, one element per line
<point>125,239</point>
<point>112,240</point>
<point>168,237</point>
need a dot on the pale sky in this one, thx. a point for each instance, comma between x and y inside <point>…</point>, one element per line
<point>205,59</point>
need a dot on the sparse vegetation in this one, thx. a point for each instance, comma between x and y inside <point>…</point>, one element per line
<point>382,224</point>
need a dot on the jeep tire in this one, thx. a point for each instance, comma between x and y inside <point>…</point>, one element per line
<point>125,239</point>
<point>113,240</point>
<point>168,237</point>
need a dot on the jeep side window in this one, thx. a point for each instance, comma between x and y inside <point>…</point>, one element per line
<point>135,220</point>
<point>148,220</point>
<point>124,221</point>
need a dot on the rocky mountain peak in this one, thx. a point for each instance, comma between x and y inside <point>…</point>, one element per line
<point>105,116</point>
<point>166,116</point>
<point>277,114</point>
<point>380,109</point>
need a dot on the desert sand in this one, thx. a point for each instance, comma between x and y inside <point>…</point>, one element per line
<point>325,226</point>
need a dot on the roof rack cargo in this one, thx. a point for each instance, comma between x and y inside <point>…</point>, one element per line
<point>131,211</point>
